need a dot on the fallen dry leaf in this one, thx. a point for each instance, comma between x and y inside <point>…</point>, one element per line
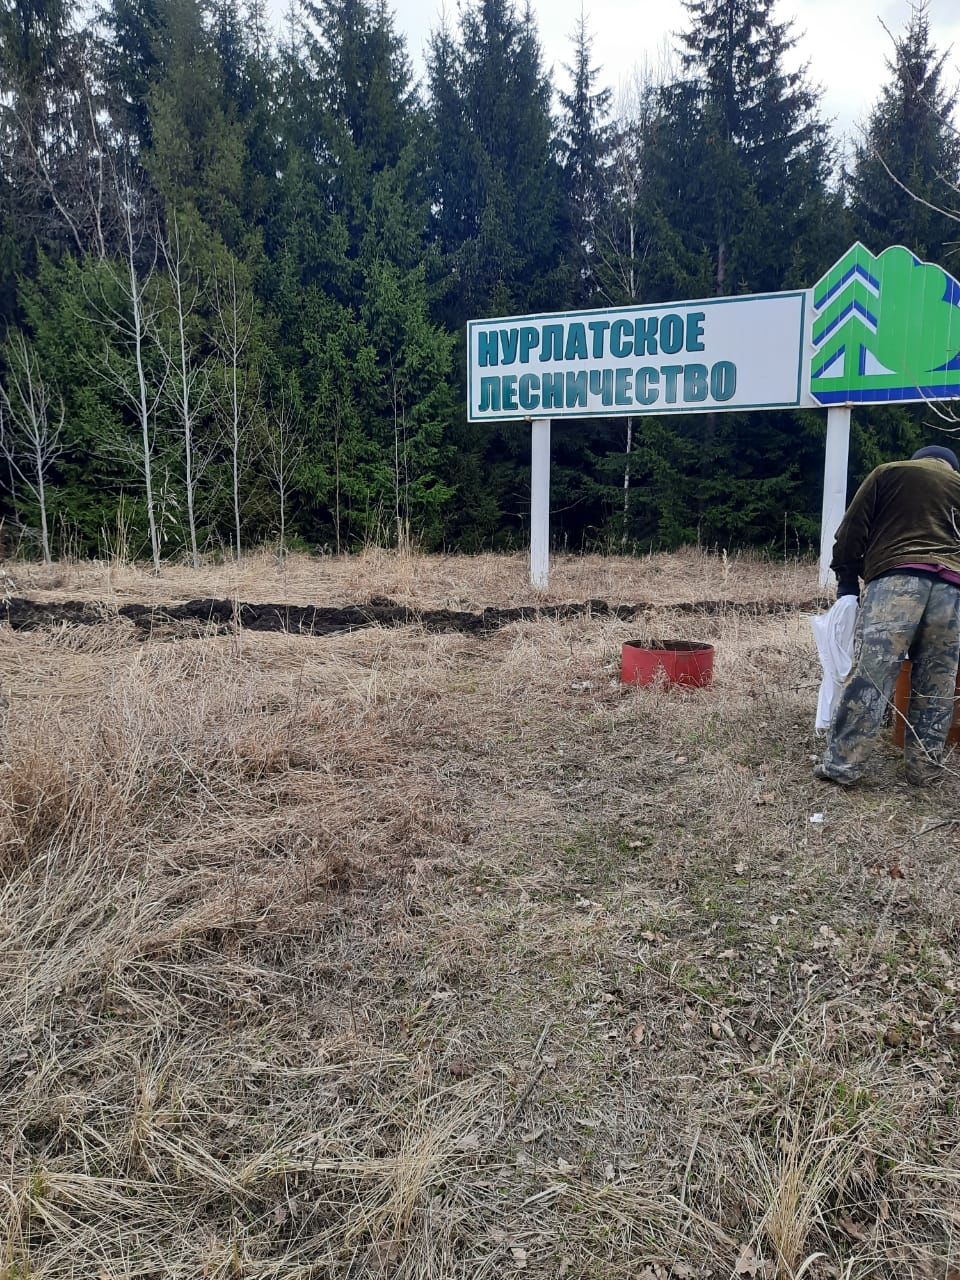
<point>385,1253</point>
<point>747,1264</point>
<point>638,1033</point>
<point>519,1258</point>
<point>853,1229</point>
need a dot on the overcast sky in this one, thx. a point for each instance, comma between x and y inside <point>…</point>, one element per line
<point>842,40</point>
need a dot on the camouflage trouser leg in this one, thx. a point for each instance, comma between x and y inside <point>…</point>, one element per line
<point>935,653</point>
<point>902,615</point>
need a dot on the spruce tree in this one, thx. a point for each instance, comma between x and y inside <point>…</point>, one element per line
<point>907,167</point>
<point>366,91</point>
<point>496,172</point>
<point>255,106</point>
<point>131,56</point>
<point>905,172</point>
<point>587,152</point>
<point>51,154</point>
<point>372,374</point>
<point>298,222</point>
<point>742,164</point>
<point>196,154</point>
<point>496,202</point>
<point>753,155</point>
<point>34,35</point>
<point>412,403</point>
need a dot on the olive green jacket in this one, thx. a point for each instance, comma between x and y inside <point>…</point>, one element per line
<point>903,513</point>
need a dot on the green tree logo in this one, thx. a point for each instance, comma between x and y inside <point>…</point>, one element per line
<point>885,328</point>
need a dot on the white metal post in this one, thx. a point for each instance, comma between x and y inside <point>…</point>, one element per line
<point>834,484</point>
<point>540,503</point>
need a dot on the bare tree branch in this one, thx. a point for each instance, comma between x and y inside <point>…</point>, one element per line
<point>186,373</point>
<point>130,328</point>
<point>234,310</point>
<point>29,439</point>
<point>283,447</point>
<point>937,115</point>
<point>952,214</point>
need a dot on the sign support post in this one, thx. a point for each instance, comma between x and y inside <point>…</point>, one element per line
<point>834,484</point>
<point>859,336</point>
<point>540,503</point>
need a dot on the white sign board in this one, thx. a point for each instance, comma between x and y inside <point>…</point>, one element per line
<point>687,357</point>
<point>882,328</point>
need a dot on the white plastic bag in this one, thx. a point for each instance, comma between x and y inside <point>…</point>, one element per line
<point>834,633</point>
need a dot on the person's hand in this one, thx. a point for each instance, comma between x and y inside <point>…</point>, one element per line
<point>848,586</point>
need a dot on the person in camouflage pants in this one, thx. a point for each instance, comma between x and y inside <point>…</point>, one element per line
<point>901,535</point>
<point>902,614</point>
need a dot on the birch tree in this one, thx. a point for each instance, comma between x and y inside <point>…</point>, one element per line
<point>31,427</point>
<point>283,447</point>
<point>621,238</point>
<point>127,308</point>
<point>186,382</point>
<point>234,318</point>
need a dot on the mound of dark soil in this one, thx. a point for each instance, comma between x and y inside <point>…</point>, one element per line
<point>23,614</point>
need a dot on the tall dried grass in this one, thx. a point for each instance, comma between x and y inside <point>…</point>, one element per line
<point>408,955</point>
<point>454,581</point>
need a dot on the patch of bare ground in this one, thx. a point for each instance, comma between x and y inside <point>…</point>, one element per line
<point>416,955</point>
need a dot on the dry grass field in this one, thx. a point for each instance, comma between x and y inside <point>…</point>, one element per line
<point>452,582</point>
<point>443,956</point>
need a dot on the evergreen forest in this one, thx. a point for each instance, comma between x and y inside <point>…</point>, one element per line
<point>237,263</point>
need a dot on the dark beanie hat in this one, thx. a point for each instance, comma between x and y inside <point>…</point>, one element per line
<point>937,451</point>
